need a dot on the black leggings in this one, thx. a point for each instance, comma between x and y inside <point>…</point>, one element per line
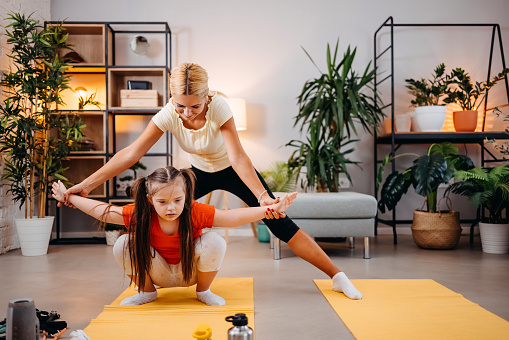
<point>228,180</point>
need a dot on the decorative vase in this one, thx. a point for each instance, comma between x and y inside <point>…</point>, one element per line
<point>430,118</point>
<point>494,238</point>
<point>34,234</point>
<point>402,123</point>
<point>465,120</point>
<point>112,236</point>
<point>263,233</point>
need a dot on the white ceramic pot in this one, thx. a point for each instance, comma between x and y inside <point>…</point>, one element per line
<point>34,234</point>
<point>402,123</point>
<point>430,118</point>
<point>112,236</point>
<point>494,238</point>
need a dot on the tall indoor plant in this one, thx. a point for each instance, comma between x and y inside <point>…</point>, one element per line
<point>425,174</point>
<point>469,96</point>
<point>330,106</point>
<point>429,109</point>
<point>488,188</point>
<point>34,137</point>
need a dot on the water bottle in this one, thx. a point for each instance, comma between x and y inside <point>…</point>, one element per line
<point>22,322</point>
<point>203,332</point>
<point>240,329</point>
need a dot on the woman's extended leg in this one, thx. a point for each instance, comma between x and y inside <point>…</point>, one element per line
<point>285,229</point>
<point>210,249</point>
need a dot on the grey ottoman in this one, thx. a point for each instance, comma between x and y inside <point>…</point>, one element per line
<point>334,214</point>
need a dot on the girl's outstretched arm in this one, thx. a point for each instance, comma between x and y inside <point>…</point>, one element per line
<point>240,216</point>
<point>89,206</point>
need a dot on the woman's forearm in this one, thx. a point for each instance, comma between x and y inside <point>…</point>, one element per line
<point>122,161</point>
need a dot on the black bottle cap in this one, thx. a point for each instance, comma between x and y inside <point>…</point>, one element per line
<point>239,319</point>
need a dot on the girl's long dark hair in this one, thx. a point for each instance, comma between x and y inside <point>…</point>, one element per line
<point>141,221</point>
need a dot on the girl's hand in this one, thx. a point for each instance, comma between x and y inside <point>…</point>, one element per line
<point>278,210</point>
<point>58,189</point>
<point>78,189</point>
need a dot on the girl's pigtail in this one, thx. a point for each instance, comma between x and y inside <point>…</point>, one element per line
<point>139,231</point>
<point>186,226</point>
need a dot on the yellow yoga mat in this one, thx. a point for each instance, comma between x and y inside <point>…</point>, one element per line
<point>175,314</point>
<point>412,309</point>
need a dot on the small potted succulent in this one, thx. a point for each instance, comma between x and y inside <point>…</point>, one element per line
<point>429,109</point>
<point>469,96</point>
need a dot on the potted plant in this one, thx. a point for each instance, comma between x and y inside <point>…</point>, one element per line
<point>34,137</point>
<point>488,188</point>
<point>330,107</point>
<point>113,232</point>
<point>469,97</point>
<point>426,173</point>
<point>279,178</point>
<point>129,179</point>
<point>429,111</point>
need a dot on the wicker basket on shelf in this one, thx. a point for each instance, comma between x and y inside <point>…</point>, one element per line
<point>439,230</point>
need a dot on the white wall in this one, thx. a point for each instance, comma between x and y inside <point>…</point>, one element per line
<point>252,49</point>
<point>41,12</point>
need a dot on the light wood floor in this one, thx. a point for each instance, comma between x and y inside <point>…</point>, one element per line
<point>78,280</point>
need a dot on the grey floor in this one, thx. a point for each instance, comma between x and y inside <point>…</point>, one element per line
<point>78,280</point>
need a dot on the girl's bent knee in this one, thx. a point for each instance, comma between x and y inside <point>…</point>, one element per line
<point>120,248</point>
<point>210,250</point>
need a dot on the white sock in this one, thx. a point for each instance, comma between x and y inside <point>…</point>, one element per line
<point>140,298</point>
<point>341,284</point>
<point>210,299</point>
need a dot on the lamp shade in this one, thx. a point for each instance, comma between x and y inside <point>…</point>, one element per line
<point>238,107</point>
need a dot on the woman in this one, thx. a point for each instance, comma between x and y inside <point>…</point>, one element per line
<point>202,123</point>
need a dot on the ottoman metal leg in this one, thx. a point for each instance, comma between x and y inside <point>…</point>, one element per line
<point>351,242</point>
<point>277,248</point>
<point>367,254</point>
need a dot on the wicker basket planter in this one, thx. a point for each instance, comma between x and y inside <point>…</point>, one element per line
<point>440,230</point>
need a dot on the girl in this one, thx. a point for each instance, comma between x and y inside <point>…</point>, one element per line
<point>202,123</point>
<point>165,245</point>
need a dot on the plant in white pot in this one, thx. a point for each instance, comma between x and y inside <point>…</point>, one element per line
<point>34,137</point>
<point>469,96</point>
<point>430,112</point>
<point>488,188</point>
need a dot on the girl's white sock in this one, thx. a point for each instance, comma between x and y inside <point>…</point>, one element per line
<point>140,298</point>
<point>210,299</point>
<point>341,284</point>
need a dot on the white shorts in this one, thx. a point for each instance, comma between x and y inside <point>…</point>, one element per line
<point>209,251</point>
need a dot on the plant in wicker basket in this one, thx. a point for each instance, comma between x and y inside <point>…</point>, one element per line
<point>425,174</point>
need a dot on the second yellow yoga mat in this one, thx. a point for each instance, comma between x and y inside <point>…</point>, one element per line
<point>175,314</point>
<point>412,309</point>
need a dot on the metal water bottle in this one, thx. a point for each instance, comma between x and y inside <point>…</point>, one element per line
<point>22,322</point>
<point>240,329</point>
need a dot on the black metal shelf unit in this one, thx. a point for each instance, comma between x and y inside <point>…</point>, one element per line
<point>105,38</point>
<point>396,140</point>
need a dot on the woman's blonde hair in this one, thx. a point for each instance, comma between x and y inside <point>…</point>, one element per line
<point>189,79</point>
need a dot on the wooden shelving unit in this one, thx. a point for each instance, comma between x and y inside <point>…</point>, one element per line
<point>106,63</point>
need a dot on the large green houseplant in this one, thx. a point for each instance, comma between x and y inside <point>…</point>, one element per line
<point>469,96</point>
<point>330,107</point>
<point>34,137</point>
<point>488,188</point>
<point>425,175</point>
